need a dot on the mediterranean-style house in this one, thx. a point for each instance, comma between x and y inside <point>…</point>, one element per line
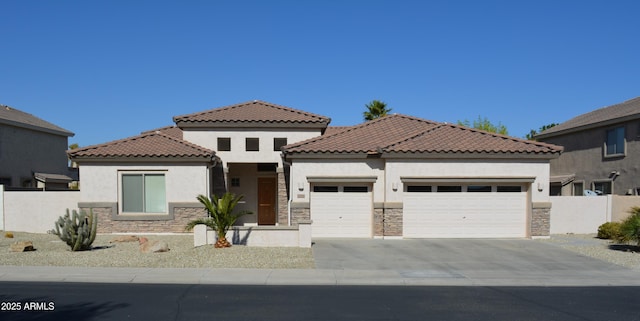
<point>32,152</point>
<point>601,151</point>
<point>395,177</point>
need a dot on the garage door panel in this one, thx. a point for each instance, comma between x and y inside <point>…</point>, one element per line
<point>339,214</point>
<point>464,215</point>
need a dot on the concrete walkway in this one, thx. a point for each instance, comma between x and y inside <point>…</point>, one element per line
<point>380,262</point>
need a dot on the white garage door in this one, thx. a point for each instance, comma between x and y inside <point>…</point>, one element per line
<point>341,211</point>
<point>478,211</point>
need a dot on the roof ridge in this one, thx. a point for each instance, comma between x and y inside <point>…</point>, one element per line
<point>422,133</point>
<point>512,138</point>
<point>137,137</point>
<point>243,104</point>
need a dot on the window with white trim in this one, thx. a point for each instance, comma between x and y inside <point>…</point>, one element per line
<point>143,193</point>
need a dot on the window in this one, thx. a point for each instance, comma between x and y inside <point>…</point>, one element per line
<point>615,142</point>
<point>603,187</point>
<point>355,189</point>
<point>252,144</point>
<point>325,189</point>
<point>509,189</point>
<point>449,189</point>
<point>278,143</point>
<point>235,182</point>
<point>479,189</point>
<point>418,189</point>
<point>143,193</point>
<point>578,188</point>
<point>224,144</point>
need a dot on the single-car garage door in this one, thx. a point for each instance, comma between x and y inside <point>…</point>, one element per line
<point>341,210</point>
<point>465,211</point>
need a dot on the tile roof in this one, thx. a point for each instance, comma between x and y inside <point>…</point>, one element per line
<point>399,134</point>
<point>14,117</point>
<point>149,145</point>
<point>629,109</point>
<point>252,113</point>
<point>172,131</point>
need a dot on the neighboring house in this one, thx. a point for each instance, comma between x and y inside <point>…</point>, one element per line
<point>601,151</point>
<point>397,176</point>
<point>32,151</point>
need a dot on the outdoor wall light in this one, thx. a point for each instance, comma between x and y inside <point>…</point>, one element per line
<point>540,187</point>
<point>394,186</point>
<point>300,187</point>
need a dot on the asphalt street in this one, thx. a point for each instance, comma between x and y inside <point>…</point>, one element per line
<point>91,301</point>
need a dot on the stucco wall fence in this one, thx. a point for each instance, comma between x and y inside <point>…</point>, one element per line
<point>583,214</point>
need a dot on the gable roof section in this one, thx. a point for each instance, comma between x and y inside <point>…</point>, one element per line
<point>404,135</point>
<point>605,116</point>
<point>172,131</point>
<point>13,117</point>
<point>252,114</point>
<point>153,145</point>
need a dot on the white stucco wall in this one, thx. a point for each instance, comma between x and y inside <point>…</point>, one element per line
<point>301,169</point>
<point>184,182</point>
<point>467,169</point>
<point>36,211</point>
<point>238,153</point>
<point>389,174</point>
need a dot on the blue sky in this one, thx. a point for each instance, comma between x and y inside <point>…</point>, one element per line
<point>111,69</point>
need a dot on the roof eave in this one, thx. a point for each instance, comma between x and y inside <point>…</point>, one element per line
<point>142,159</point>
<point>571,130</point>
<point>37,128</point>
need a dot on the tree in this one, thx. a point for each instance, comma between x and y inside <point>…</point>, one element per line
<point>376,109</point>
<point>220,215</point>
<point>483,123</point>
<point>531,135</point>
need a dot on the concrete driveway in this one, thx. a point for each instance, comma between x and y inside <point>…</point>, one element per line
<point>464,261</point>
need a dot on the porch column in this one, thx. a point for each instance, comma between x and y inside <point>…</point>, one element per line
<point>283,211</point>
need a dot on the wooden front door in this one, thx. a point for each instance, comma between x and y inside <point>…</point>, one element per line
<point>266,200</point>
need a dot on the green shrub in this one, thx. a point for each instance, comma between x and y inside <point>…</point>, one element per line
<point>630,228</point>
<point>609,230</point>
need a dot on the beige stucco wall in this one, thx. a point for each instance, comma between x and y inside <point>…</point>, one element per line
<point>456,168</point>
<point>184,182</point>
<point>24,151</point>
<point>584,157</point>
<point>301,169</point>
<point>621,205</point>
<point>238,154</point>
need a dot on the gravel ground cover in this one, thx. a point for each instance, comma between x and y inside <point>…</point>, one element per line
<point>605,250</point>
<point>51,251</point>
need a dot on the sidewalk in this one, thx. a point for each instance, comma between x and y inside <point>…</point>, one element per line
<point>616,277</point>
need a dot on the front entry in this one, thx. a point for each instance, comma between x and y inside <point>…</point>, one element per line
<point>266,200</point>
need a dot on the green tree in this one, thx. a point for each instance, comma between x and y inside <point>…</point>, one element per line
<point>483,123</point>
<point>531,135</point>
<point>220,215</point>
<point>376,109</point>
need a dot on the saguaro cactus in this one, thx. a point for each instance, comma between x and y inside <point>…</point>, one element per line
<point>77,230</point>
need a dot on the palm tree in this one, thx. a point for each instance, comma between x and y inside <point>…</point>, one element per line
<point>220,215</point>
<point>376,109</point>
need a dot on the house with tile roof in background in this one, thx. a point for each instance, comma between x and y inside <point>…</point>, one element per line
<point>396,176</point>
<point>601,151</point>
<point>32,152</point>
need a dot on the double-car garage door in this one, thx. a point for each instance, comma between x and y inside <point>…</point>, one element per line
<point>429,210</point>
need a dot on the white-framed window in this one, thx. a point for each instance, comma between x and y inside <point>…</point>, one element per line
<point>578,188</point>
<point>615,144</point>
<point>603,187</point>
<point>143,192</point>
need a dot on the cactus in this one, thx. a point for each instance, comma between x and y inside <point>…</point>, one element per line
<point>77,230</point>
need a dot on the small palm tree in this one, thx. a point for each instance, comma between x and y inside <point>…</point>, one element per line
<point>220,215</point>
<point>376,109</point>
<point>630,228</point>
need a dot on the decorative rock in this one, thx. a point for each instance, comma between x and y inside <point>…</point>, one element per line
<point>147,246</point>
<point>22,246</point>
<point>125,238</point>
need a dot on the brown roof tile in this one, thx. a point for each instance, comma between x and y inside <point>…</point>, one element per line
<point>172,131</point>
<point>621,111</point>
<point>147,145</point>
<point>251,113</point>
<point>405,134</point>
